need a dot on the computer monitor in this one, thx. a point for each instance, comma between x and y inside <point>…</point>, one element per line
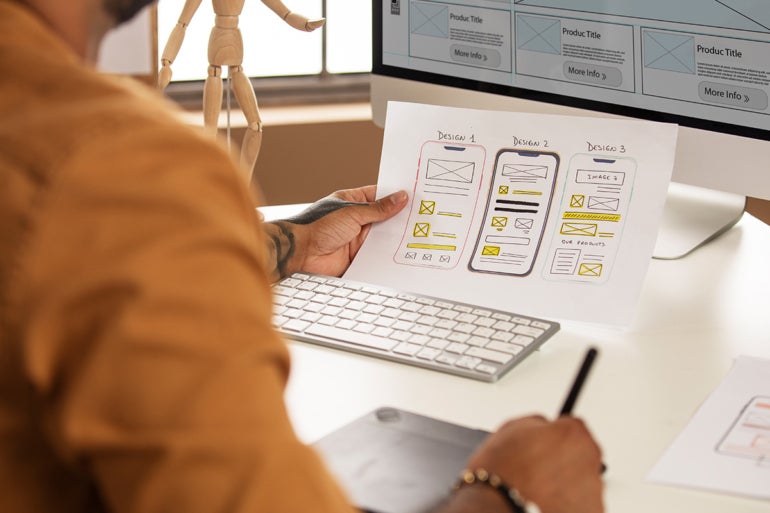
<point>703,64</point>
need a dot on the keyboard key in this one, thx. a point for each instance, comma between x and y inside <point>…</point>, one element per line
<point>487,354</point>
<point>486,369</point>
<point>467,362</point>
<point>428,353</point>
<point>352,337</point>
<point>506,348</point>
<point>445,358</point>
<point>407,348</point>
<point>458,348</point>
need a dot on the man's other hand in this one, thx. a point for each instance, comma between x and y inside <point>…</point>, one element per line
<point>325,237</point>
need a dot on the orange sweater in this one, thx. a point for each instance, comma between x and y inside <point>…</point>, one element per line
<point>138,368</point>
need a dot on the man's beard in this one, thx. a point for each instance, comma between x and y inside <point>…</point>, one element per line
<point>124,10</point>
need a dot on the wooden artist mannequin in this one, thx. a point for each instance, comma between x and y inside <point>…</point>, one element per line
<point>226,49</point>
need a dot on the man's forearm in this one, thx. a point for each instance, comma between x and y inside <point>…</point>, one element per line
<point>281,248</point>
<point>285,237</point>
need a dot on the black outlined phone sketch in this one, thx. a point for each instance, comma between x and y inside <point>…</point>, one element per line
<point>749,434</point>
<point>593,209</point>
<point>446,192</point>
<point>519,199</point>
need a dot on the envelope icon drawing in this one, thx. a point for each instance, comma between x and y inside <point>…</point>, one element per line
<point>450,170</point>
<point>523,223</point>
<point>503,189</point>
<point>427,207</point>
<point>598,203</point>
<point>577,201</point>
<point>490,251</point>
<point>421,229</point>
<point>592,270</point>
<point>411,255</point>
<point>443,258</point>
<point>583,229</point>
<point>499,221</point>
<point>525,171</point>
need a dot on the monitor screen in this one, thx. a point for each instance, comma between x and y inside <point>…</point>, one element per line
<point>703,64</point>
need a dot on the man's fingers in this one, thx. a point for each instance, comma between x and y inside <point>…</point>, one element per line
<point>380,210</point>
<point>393,203</point>
<point>366,193</point>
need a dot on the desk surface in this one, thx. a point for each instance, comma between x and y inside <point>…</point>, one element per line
<point>695,316</point>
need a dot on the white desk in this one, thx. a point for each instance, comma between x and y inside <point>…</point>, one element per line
<point>695,315</point>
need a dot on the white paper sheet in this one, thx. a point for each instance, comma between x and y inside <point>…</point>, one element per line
<point>549,216</point>
<point>726,445</point>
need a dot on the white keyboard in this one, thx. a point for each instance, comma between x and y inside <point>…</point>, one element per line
<point>429,332</point>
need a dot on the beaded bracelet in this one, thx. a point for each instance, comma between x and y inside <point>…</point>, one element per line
<point>511,495</point>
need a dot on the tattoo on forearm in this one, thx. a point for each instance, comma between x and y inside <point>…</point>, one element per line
<point>320,209</point>
<point>284,246</point>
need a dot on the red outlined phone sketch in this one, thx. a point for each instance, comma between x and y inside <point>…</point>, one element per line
<point>446,191</point>
<point>749,435</point>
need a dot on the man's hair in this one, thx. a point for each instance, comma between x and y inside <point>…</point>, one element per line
<point>124,10</point>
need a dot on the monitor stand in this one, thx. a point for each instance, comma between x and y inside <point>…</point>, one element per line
<point>694,216</point>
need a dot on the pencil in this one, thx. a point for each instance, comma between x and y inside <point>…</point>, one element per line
<point>577,385</point>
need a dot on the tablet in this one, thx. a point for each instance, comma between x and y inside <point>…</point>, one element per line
<point>394,461</point>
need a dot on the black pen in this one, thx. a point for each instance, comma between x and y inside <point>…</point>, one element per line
<point>577,386</point>
<point>569,403</point>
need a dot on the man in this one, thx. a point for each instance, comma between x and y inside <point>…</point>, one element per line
<point>138,368</point>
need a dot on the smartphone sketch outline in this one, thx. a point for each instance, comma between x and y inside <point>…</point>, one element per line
<point>446,192</point>
<point>583,246</point>
<point>498,231</point>
<point>736,438</point>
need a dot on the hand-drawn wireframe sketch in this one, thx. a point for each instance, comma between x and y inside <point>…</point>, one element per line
<point>593,209</point>
<point>226,49</point>
<point>749,435</point>
<point>516,213</point>
<point>445,195</point>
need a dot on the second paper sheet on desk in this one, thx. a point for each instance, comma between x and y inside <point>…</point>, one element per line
<point>549,216</point>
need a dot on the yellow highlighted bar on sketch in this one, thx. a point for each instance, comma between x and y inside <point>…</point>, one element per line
<point>528,193</point>
<point>590,216</point>
<point>445,235</point>
<point>439,247</point>
<point>450,214</point>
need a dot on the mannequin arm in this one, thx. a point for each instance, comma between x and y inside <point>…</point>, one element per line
<point>175,40</point>
<point>295,20</point>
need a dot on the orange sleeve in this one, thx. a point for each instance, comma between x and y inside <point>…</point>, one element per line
<point>148,333</point>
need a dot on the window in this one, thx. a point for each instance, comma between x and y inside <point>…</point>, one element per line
<point>286,65</point>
